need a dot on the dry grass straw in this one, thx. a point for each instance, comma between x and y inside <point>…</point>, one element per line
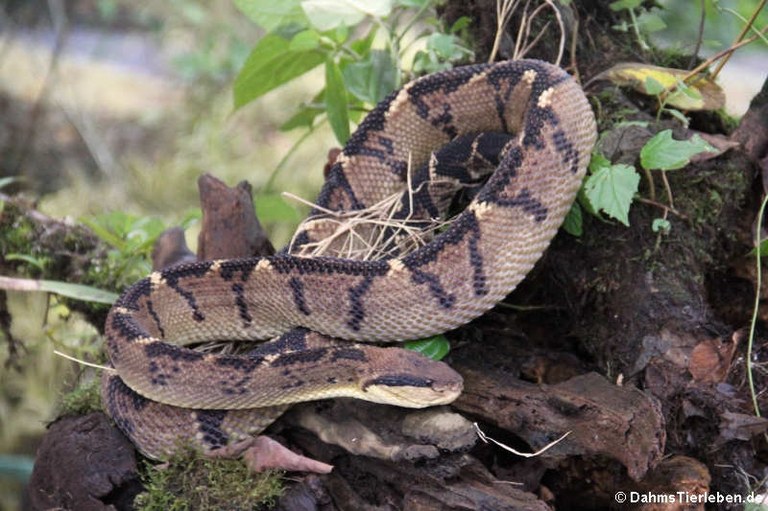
<point>366,234</point>
<point>504,11</point>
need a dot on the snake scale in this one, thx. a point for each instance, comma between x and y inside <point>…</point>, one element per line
<point>161,391</point>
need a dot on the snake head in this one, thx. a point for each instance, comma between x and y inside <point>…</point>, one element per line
<point>411,380</point>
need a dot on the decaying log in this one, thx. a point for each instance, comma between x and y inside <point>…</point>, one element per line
<point>65,478</point>
<point>622,423</point>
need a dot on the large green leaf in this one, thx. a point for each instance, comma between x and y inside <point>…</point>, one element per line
<point>665,153</point>
<point>272,63</point>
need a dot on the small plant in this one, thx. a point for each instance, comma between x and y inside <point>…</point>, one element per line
<point>343,37</point>
<point>611,188</point>
<point>642,21</point>
<point>131,238</point>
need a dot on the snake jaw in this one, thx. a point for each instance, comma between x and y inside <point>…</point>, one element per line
<point>423,394</point>
<point>418,384</point>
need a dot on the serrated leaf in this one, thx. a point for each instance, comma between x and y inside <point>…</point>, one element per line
<point>336,101</point>
<point>610,189</point>
<point>271,64</point>
<point>75,291</point>
<point>703,93</point>
<point>436,347</point>
<point>597,162</point>
<point>665,153</point>
<point>270,14</point>
<point>573,223</point>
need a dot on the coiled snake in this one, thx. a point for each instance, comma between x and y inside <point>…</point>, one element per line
<point>163,391</point>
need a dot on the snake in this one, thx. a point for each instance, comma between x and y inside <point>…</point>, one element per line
<point>330,321</point>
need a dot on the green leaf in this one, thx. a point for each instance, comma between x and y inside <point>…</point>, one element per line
<point>685,96</point>
<point>680,116</point>
<point>328,14</point>
<point>597,162</point>
<point>610,189</point>
<point>270,14</point>
<point>573,223</point>
<point>661,225</point>
<point>665,153</point>
<point>271,64</point>
<point>436,347</point>
<point>363,45</point>
<point>76,291</point>
<point>271,207</point>
<point>336,101</point>
<point>621,5</point>
<point>305,40</point>
<point>653,87</point>
<point>415,4</point>
<point>126,233</point>
<point>371,79</point>
<point>304,118</point>
<point>762,249</point>
<point>37,262</point>
<point>460,24</point>
<point>650,22</point>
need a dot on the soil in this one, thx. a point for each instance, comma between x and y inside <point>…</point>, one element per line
<point>633,341</point>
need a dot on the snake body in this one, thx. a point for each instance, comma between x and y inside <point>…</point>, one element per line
<point>162,391</point>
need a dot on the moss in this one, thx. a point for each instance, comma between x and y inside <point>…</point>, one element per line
<point>190,481</point>
<point>17,237</point>
<point>84,399</point>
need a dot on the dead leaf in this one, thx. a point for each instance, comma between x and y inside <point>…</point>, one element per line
<point>702,93</point>
<point>710,360</point>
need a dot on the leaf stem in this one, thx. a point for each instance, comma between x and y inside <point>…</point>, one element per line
<point>743,33</point>
<point>753,323</point>
<point>282,163</point>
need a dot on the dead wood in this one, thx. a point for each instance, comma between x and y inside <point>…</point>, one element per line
<point>621,423</point>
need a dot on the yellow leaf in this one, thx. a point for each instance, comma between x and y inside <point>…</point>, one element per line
<point>701,93</point>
